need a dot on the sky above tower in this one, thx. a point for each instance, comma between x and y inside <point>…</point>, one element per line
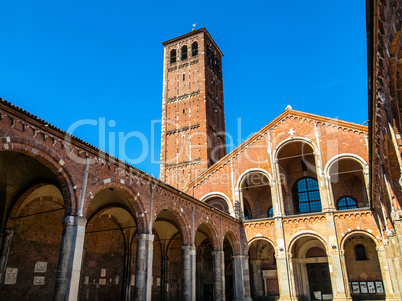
<point>95,68</point>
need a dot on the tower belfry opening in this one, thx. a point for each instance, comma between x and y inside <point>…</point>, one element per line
<point>193,119</point>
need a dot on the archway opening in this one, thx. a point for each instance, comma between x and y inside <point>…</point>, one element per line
<point>347,180</point>
<point>363,268</point>
<point>107,260</point>
<point>204,264</point>
<point>219,203</point>
<point>228,260</point>
<point>311,270</point>
<point>31,210</point>
<point>263,270</point>
<point>256,195</point>
<point>296,161</point>
<point>167,257</point>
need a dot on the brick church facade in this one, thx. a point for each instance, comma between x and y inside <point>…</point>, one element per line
<point>308,208</point>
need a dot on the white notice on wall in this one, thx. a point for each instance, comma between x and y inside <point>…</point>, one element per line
<point>39,280</point>
<point>40,267</point>
<point>132,280</point>
<point>11,276</point>
<point>103,272</point>
<point>158,281</point>
<point>378,286</point>
<point>102,281</point>
<point>363,287</point>
<point>371,287</point>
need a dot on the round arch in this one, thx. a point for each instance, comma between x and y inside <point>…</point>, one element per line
<point>360,191</point>
<point>51,160</point>
<point>241,178</point>
<point>218,194</point>
<point>338,157</point>
<point>291,140</point>
<point>135,202</point>
<point>183,222</point>
<point>233,241</point>
<point>306,233</point>
<point>254,239</point>
<point>213,232</point>
<point>358,232</point>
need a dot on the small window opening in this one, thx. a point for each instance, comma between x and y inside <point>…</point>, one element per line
<point>360,252</point>
<point>173,56</point>
<point>184,52</point>
<point>184,77</point>
<point>270,212</point>
<point>194,49</point>
<point>346,203</point>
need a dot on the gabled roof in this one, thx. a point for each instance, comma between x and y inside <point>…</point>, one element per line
<point>272,124</point>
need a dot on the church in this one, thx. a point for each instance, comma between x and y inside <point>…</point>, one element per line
<point>307,208</point>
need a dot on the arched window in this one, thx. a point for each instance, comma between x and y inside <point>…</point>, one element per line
<point>306,196</point>
<point>173,56</point>
<point>346,202</point>
<point>183,52</point>
<point>270,212</point>
<point>194,49</point>
<point>360,252</point>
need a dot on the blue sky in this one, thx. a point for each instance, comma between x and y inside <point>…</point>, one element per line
<point>101,62</point>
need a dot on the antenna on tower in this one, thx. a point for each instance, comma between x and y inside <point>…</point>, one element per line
<point>194,26</point>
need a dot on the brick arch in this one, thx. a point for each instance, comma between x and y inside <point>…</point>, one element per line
<point>213,232</point>
<point>294,139</point>
<point>221,195</point>
<point>343,157</point>
<point>137,210</point>
<point>349,156</point>
<point>234,242</point>
<point>21,200</point>
<point>358,232</point>
<point>241,178</point>
<point>306,233</point>
<point>181,219</point>
<point>50,159</point>
<point>127,240</point>
<point>254,239</point>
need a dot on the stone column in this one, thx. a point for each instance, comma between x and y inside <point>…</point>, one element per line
<point>388,277</point>
<point>340,287</point>
<point>143,267</point>
<point>188,287</point>
<point>219,275</point>
<point>258,285</point>
<point>5,247</point>
<point>284,274</point>
<point>70,258</point>
<point>241,278</point>
<point>164,276</point>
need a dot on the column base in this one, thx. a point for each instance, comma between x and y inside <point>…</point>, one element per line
<point>342,298</point>
<point>287,299</point>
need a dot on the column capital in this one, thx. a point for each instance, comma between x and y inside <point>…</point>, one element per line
<point>74,220</point>
<point>144,237</point>
<point>217,252</point>
<point>244,257</point>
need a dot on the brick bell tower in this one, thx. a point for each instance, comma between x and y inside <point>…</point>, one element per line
<point>193,119</point>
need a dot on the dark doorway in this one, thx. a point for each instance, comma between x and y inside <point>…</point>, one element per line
<point>319,281</point>
<point>208,292</point>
